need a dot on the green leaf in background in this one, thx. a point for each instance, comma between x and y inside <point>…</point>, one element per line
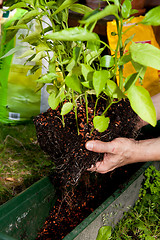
<point>113,90</point>
<point>20,26</point>
<point>32,38</point>
<point>67,107</point>
<point>99,80</point>
<point>101,123</point>
<point>86,69</point>
<point>152,17</point>
<point>145,54</point>
<point>79,8</point>
<point>107,61</point>
<point>39,56</point>
<point>139,68</point>
<point>107,11</point>
<point>126,9</point>
<point>12,51</point>
<point>65,4</point>
<point>142,104</point>
<point>73,82</point>
<point>53,100</point>
<point>47,78</point>
<point>29,16</point>
<point>33,69</point>
<point>18,5</point>
<point>72,34</point>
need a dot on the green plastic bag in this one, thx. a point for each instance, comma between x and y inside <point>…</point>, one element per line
<point>19,100</point>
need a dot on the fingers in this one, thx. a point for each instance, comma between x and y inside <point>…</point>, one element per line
<point>100,147</point>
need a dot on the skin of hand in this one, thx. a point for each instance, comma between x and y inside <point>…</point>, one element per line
<point>123,151</point>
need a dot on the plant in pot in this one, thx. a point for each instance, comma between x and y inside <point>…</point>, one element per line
<point>88,94</point>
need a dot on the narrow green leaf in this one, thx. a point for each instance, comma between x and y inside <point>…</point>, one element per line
<point>109,10</point>
<point>101,123</point>
<point>20,26</point>
<point>42,47</point>
<point>28,16</point>
<point>140,69</point>
<point>142,104</point>
<point>72,34</point>
<point>18,5</point>
<point>65,4</point>
<point>126,9</point>
<point>27,53</point>
<point>107,61</point>
<point>53,101</point>
<point>113,90</point>
<point>99,80</point>
<point>66,108</point>
<point>152,17</point>
<point>80,8</point>
<point>76,53</point>
<point>104,233</point>
<point>39,56</point>
<point>74,83</point>
<point>145,54</point>
<point>47,78</point>
<point>12,51</point>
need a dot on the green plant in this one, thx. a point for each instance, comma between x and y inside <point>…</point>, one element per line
<point>143,220</point>
<point>76,65</point>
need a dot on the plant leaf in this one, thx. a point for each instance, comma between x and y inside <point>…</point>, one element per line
<point>39,56</point>
<point>126,9</point>
<point>99,80</point>
<point>80,8</point>
<point>18,5</point>
<point>124,59</point>
<point>73,34</point>
<point>101,123</point>
<point>73,82</point>
<point>32,38</point>
<point>53,101</point>
<point>145,54</point>
<point>28,17</point>
<point>47,78</point>
<point>152,17</point>
<point>67,107</point>
<point>12,51</point>
<point>65,4</point>
<point>107,61</point>
<point>33,69</point>
<point>104,233</point>
<point>109,10</point>
<point>86,69</point>
<point>142,104</point>
<point>130,80</point>
<point>113,90</point>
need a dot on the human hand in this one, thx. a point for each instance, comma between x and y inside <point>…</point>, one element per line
<point>117,153</point>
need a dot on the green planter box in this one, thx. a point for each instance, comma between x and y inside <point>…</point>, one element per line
<point>24,215</point>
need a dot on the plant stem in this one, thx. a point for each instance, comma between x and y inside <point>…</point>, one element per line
<point>86,102</point>
<point>75,111</point>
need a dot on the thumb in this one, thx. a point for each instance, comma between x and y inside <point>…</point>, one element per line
<point>99,146</point>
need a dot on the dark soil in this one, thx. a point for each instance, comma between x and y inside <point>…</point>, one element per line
<point>67,148</point>
<point>77,199</point>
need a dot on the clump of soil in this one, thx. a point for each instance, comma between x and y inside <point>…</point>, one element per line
<point>77,199</point>
<point>67,149</point>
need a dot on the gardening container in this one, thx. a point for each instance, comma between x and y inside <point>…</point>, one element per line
<point>23,216</point>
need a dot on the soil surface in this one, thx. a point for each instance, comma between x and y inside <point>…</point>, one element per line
<point>80,192</point>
